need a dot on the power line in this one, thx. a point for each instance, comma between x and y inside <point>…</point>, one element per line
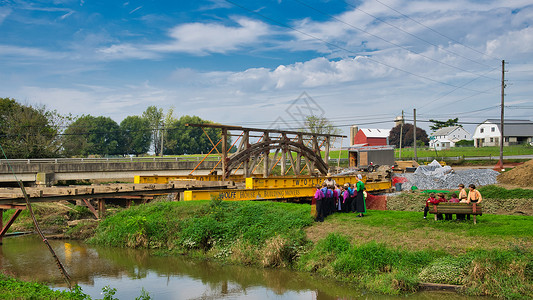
<point>486,91</point>
<point>445,36</point>
<point>342,48</point>
<point>417,37</point>
<point>438,98</point>
<point>392,43</point>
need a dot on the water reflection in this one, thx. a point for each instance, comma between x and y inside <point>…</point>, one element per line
<point>129,270</point>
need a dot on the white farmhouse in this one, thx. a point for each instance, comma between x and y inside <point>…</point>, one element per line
<point>446,137</point>
<point>515,132</point>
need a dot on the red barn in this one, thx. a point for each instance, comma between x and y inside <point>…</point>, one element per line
<point>372,137</point>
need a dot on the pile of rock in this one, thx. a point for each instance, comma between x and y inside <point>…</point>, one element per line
<point>434,176</point>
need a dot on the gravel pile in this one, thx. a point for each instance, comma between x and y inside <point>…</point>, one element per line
<point>433,177</point>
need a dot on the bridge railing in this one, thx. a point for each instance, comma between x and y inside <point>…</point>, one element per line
<point>101,160</point>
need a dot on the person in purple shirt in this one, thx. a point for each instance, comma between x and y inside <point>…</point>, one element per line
<point>337,195</point>
<point>346,198</point>
<point>319,199</point>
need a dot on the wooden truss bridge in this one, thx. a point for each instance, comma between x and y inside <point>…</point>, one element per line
<point>292,150</point>
<point>249,155</point>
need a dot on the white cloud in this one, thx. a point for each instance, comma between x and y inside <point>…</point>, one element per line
<point>195,38</point>
<point>204,38</point>
<point>127,51</point>
<point>512,43</point>
<point>27,52</point>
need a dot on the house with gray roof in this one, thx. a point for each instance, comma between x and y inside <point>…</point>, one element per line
<point>446,137</point>
<point>515,132</point>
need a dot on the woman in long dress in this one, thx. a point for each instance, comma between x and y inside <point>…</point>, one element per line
<point>359,197</point>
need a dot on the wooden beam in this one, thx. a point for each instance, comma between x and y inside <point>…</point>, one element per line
<point>91,208</point>
<point>326,159</point>
<point>224,157</point>
<point>266,154</point>
<point>298,168</point>
<point>283,153</point>
<point>9,222</point>
<point>101,208</point>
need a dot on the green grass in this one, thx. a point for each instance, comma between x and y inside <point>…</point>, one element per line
<point>381,268</point>
<point>404,221</point>
<point>468,151</point>
<point>202,225</point>
<point>388,252</point>
<point>11,288</point>
<point>496,192</point>
<point>453,152</point>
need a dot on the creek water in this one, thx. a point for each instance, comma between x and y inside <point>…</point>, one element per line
<point>129,271</point>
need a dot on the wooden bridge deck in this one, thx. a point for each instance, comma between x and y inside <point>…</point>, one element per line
<point>14,196</point>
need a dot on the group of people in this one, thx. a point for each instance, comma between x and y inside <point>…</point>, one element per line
<point>330,197</point>
<point>473,196</point>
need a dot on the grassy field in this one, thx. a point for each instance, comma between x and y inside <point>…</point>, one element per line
<point>421,152</point>
<point>387,251</point>
<point>468,151</point>
<point>454,152</point>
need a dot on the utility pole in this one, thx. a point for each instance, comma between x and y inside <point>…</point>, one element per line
<point>501,116</point>
<point>401,134</point>
<point>161,133</point>
<point>414,132</point>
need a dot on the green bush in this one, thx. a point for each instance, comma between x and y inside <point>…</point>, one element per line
<point>11,288</point>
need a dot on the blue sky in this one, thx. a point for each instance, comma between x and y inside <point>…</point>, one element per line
<point>245,62</point>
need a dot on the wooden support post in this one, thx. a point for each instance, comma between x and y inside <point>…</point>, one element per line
<point>283,153</point>
<point>316,149</point>
<point>1,224</point>
<point>246,143</point>
<point>266,158</point>
<point>101,208</point>
<point>326,159</point>
<point>298,164</point>
<point>224,153</point>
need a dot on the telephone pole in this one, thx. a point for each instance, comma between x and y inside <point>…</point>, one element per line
<point>414,133</point>
<point>401,134</point>
<point>501,116</point>
<point>162,133</point>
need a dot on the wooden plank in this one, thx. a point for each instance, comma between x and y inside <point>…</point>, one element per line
<point>456,208</point>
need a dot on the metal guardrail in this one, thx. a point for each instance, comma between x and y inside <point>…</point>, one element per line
<point>100,160</point>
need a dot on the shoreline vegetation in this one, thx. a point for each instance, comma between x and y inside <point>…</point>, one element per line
<point>387,252</point>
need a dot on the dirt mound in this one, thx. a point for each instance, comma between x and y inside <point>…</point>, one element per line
<point>521,175</point>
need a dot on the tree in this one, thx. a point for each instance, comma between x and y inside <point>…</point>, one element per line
<point>136,135</point>
<point>90,135</point>
<point>442,124</point>
<point>181,139</point>
<point>27,131</point>
<point>407,137</point>
<point>155,116</point>
<point>319,125</point>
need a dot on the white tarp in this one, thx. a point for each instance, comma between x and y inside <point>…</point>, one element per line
<point>434,169</point>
